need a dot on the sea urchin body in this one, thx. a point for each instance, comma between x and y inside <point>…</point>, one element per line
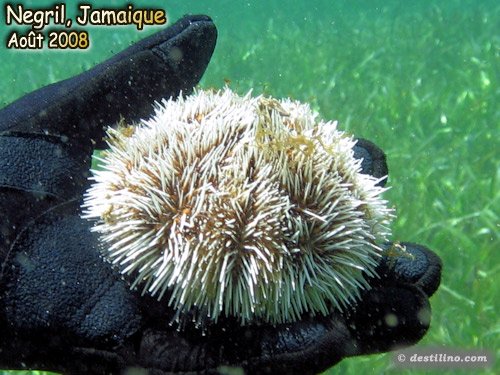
<point>248,207</point>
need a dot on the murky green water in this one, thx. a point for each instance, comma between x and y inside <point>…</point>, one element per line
<point>421,79</point>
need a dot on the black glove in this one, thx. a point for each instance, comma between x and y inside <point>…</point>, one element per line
<point>63,309</point>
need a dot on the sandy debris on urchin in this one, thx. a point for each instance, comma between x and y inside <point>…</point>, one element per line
<point>238,206</point>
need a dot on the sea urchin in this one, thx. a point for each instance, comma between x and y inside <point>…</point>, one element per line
<point>247,207</point>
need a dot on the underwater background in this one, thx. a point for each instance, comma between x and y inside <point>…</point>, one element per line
<point>418,78</point>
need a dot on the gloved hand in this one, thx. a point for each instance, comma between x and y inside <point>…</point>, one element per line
<point>63,309</point>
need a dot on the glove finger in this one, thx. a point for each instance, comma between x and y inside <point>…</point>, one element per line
<point>396,312</point>
<point>388,318</point>
<point>373,159</point>
<point>307,347</point>
<point>410,263</point>
<point>75,110</point>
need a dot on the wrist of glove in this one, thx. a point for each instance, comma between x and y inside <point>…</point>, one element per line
<point>64,309</point>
